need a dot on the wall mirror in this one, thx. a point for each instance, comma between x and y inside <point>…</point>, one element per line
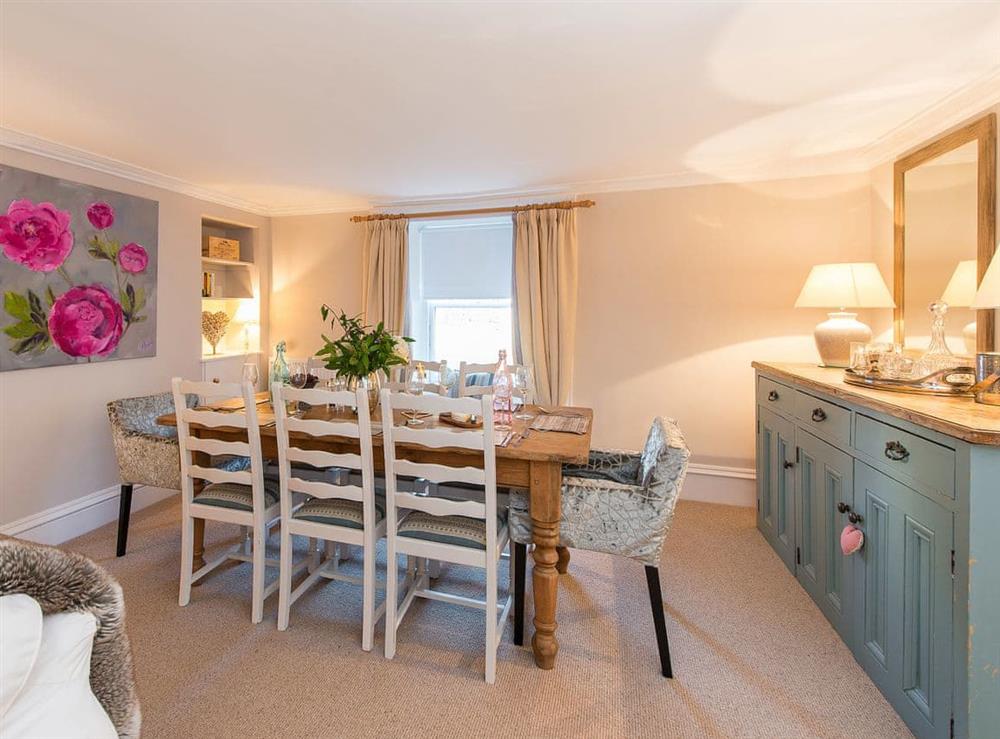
<point>944,203</point>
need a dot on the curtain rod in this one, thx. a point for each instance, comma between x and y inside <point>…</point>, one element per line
<point>563,205</point>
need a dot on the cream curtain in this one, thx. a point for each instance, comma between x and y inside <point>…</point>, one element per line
<point>545,286</point>
<point>384,280</point>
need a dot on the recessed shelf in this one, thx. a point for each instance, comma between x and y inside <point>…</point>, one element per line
<point>226,262</point>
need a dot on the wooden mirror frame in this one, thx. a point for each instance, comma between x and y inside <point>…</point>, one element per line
<point>983,130</point>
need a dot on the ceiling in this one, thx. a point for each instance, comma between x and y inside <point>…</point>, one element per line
<point>297,107</point>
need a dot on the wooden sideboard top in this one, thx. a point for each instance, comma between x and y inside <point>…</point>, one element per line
<point>961,418</point>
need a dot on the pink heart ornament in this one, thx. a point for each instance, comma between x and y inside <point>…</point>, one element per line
<point>851,540</point>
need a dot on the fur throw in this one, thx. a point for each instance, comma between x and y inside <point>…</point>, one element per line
<point>63,581</point>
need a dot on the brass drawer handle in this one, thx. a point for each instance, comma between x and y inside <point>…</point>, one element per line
<point>772,396</point>
<point>896,451</point>
<point>843,507</point>
<point>855,518</point>
<point>818,415</point>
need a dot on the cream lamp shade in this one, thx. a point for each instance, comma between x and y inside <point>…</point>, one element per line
<point>988,295</point>
<point>853,285</point>
<point>849,285</point>
<point>247,312</point>
<point>959,293</point>
<point>961,287</point>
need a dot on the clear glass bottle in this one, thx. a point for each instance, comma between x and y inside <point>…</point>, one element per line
<point>279,368</point>
<point>938,356</point>
<point>503,386</point>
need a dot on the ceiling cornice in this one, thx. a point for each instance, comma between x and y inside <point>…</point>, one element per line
<point>70,155</point>
<point>951,110</point>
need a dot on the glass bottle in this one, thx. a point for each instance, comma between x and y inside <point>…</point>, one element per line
<point>938,356</point>
<point>279,368</point>
<point>503,386</point>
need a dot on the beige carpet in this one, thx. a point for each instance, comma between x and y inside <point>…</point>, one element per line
<point>753,656</point>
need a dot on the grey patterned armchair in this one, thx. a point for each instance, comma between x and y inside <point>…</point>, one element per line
<point>147,452</point>
<point>619,503</point>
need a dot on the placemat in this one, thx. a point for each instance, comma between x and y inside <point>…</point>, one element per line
<point>565,424</point>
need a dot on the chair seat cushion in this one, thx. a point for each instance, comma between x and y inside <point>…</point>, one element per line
<point>236,496</point>
<point>460,531</point>
<point>338,512</point>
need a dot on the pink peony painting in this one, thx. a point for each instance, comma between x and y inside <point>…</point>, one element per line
<point>77,270</point>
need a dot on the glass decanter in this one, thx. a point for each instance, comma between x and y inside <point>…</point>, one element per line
<point>938,356</point>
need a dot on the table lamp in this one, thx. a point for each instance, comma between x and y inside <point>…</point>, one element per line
<point>247,314</point>
<point>959,293</point>
<point>842,286</point>
<point>987,388</point>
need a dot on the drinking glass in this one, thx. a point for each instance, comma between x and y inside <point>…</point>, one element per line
<point>251,374</point>
<point>414,384</point>
<point>859,357</point>
<point>298,376</point>
<point>524,382</point>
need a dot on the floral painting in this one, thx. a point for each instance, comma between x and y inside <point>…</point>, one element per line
<point>77,272</point>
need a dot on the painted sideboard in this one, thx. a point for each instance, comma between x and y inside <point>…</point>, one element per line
<point>919,605</point>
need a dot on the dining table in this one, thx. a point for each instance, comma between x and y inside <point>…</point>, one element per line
<point>530,459</point>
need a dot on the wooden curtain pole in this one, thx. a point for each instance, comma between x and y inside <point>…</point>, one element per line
<point>564,205</point>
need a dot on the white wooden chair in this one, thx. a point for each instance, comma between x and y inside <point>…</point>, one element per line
<point>342,514</point>
<point>401,374</point>
<point>242,498</point>
<point>465,369</point>
<point>425,527</point>
<point>345,514</point>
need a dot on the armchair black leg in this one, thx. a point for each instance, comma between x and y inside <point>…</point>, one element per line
<point>659,622</point>
<point>520,562</point>
<point>124,510</point>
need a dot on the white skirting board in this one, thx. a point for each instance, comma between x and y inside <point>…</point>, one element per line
<point>70,520</point>
<point>725,485</point>
<point>705,483</point>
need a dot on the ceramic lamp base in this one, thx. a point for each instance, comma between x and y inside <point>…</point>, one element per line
<point>834,337</point>
<point>969,336</point>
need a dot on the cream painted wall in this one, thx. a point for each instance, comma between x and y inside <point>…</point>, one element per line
<point>316,260</point>
<point>680,289</point>
<point>55,443</point>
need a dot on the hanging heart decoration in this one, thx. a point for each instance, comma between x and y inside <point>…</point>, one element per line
<point>851,539</point>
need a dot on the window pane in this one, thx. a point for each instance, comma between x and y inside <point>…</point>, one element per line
<point>470,331</point>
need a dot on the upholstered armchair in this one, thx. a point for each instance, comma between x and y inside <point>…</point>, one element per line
<point>147,453</point>
<point>618,503</point>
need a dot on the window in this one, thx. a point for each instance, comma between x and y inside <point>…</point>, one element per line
<point>459,302</point>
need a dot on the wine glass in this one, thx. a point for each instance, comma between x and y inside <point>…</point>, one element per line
<point>251,374</point>
<point>298,376</point>
<point>524,382</point>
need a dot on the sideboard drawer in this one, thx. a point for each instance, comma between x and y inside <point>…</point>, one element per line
<point>926,465</point>
<point>775,396</point>
<point>822,417</point>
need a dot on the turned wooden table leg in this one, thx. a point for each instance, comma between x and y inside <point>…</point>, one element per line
<point>546,484</point>
<point>204,460</point>
<point>562,566</point>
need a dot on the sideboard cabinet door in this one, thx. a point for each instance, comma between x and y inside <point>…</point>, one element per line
<point>903,596</point>
<point>824,485</point>
<point>775,484</point>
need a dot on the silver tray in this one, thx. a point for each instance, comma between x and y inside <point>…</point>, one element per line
<point>954,381</point>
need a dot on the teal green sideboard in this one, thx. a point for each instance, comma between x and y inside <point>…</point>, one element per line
<point>919,605</point>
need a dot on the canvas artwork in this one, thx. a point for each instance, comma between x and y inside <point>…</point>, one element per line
<point>78,272</point>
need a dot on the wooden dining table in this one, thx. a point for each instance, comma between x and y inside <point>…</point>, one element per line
<point>532,460</point>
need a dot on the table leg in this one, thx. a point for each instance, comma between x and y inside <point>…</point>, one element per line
<point>199,546</point>
<point>546,491</point>
<point>562,566</point>
<point>203,460</point>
